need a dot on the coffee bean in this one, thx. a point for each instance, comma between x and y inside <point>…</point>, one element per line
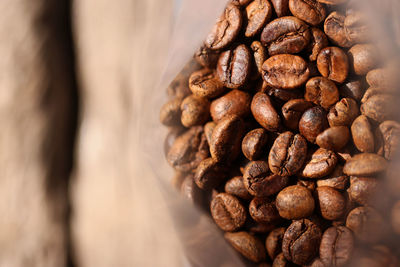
<point>337,179</point>
<point>343,113</point>
<point>322,92</point>
<point>334,28</point>
<point>263,210</point>
<point>333,2</point>
<point>366,223</point>
<point>363,189</point>
<point>395,217</point>
<point>281,7</point>
<point>260,182</point>
<point>172,135</point>
<point>316,263</point>
<point>259,228</point>
<point>352,89</point>
<point>265,113</point>
<point>281,261</point>
<point>309,184</point>
<point>208,130</point>
<point>209,174</point>
<point>284,95</point>
<point>292,112</point>
<point>254,143</point>
<point>287,154</point>
<point>226,29</point>
<point>322,163</point>
<point>363,136</point>
<point>311,11</point>
<point>389,131</point>
<point>365,164</point>
<point>190,191</point>
<point>258,13</point>
<point>195,111</point>
<point>317,43</point>
<point>295,202</point>
<point>313,122</point>
<point>378,107</point>
<point>227,138</point>
<point>334,138</point>
<point>260,55</point>
<point>357,28</point>
<point>240,3</point>
<point>227,212</point>
<point>286,35</point>
<point>331,203</point>
<point>301,241</point>
<point>170,113</point>
<point>233,68</point>
<point>336,247</point>
<point>273,243</point>
<point>285,71</point>
<point>363,58</point>
<point>247,245</point>
<point>235,102</point>
<point>204,83</point>
<point>385,78</point>
<point>206,57</point>
<point>236,188</point>
<point>188,150</point>
<point>333,64</point>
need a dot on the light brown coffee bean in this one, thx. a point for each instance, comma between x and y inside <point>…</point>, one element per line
<point>331,203</point>
<point>247,245</point>
<point>366,223</point>
<point>334,138</point>
<point>321,91</point>
<point>195,111</point>
<point>363,137</point>
<point>170,113</point>
<point>357,27</point>
<point>265,113</point>
<point>363,58</point>
<point>336,247</point>
<point>263,210</point>
<point>210,174</point>
<point>204,83</point>
<point>254,143</point>
<point>363,189</point>
<point>343,113</point>
<point>227,212</point>
<point>281,7</point>
<point>313,122</point>
<point>322,163</point>
<point>236,188</point>
<point>334,28</point>
<point>389,132</point>
<point>235,102</point>
<point>206,57</point>
<point>292,112</point>
<point>258,12</point>
<point>311,11</point>
<point>385,78</point>
<point>317,43</point>
<point>365,164</point>
<point>378,107</point>
<point>337,179</point>
<point>295,202</point>
<point>352,89</point>
<point>333,64</point>
<point>260,55</point>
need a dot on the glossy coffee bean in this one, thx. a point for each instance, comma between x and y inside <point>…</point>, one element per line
<point>363,58</point>
<point>254,143</point>
<point>259,55</point>
<point>260,182</point>
<point>227,212</point>
<point>287,154</point>
<point>258,13</point>
<point>281,7</point>
<point>336,247</point>
<point>366,223</point>
<point>204,83</point>
<point>352,89</point>
<point>292,112</point>
<point>234,66</point>
<point>295,202</point>
<point>337,179</point>
<point>301,241</point>
<point>312,123</point>
<point>321,91</point>
<point>331,203</point>
<point>389,132</point>
<point>335,30</point>
<point>263,210</point>
<point>236,188</point>
<point>334,138</point>
<point>226,29</point>
<point>317,43</point>
<point>365,164</point>
<point>333,64</point>
<point>170,113</point>
<point>209,174</point>
<point>247,245</point>
<point>310,11</point>
<point>195,111</point>
<point>285,71</point>
<point>363,137</point>
<point>363,189</point>
<point>343,113</point>
<point>264,112</point>
<point>273,243</point>
<point>322,163</point>
<point>206,57</point>
<point>235,102</point>
<point>357,28</point>
<point>286,35</point>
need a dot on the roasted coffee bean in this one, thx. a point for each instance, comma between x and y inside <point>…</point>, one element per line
<point>316,263</point>
<point>258,13</point>
<point>311,11</point>
<point>281,7</point>
<point>333,2</point>
<point>331,203</point>
<point>287,154</point>
<point>395,217</point>
<point>254,143</point>
<point>312,123</point>
<point>389,131</point>
<point>265,113</point>
<point>172,135</point>
<point>357,28</point>
<point>295,202</point>
<point>284,95</point>
<point>343,113</point>
<point>322,163</point>
<point>240,3</point>
<point>334,138</point>
<point>190,191</point>
<point>170,113</point>
<point>362,189</point>
<point>336,247</point>
<point>318,42</point>
<point>385,78</point>
<point>378,107</point>
<point>337,179</point>
<point>273,243</point>
<point>309,184</point>
<point>247,245</point>
<point>195,111</point>
<point>363,58</point>
<point>234,66</point>
<point>285,71</point>
<point>365,164</point>
<point>204,83</point>
<point>227,212</point>
<point>286,35</point>
<point>281,261</point>
<point>321,91</point>
<point>210,174</point>
<point>235,102</point>
<point>258,228</point>
<point>334,28</point>
<point>236,187</point>
<point>366,223</point>
<point>301,241</point>
<point>263,210</point>
<point>260,182</point>
<point>188,150</point>
<point>333,64</point>
<point>208,130</point>
<point>226,28</point>
<point>260,55</point>
<point>363,137</point>
<point>206,57</point>
<point>352,89</point>
<point>292,112</point>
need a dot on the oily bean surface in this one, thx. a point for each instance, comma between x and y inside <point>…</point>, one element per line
<point>264,112</point>
<point>295,202</point>
<point>235,102</point>
<point>312,123</point>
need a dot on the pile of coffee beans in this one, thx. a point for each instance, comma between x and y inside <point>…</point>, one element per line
<point>283,127</point>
